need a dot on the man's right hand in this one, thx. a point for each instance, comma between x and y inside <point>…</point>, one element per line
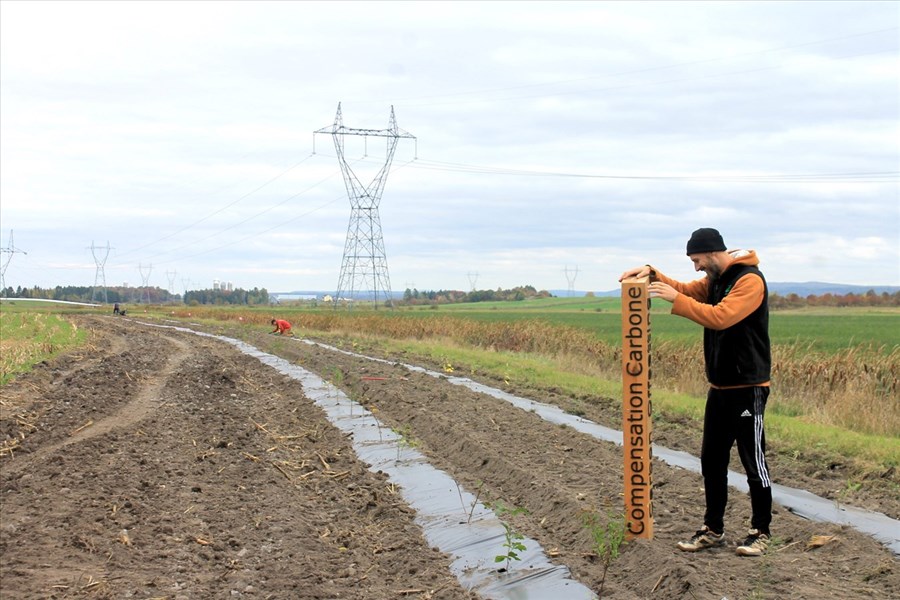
<point>642,271</point>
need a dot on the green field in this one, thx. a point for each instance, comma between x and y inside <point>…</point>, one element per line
<point>28,337</point>
<point>824,330</point>
<point>835,370</point>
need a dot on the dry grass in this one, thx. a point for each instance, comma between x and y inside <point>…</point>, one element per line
<point>27,338</point>
<point>855,388</point>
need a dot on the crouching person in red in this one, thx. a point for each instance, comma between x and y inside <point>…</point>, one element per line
<point>282,327</point>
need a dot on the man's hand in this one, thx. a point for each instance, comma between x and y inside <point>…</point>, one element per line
<point>643,271</point>
<point>662,290</point>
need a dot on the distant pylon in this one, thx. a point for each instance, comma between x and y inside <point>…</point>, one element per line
<point>10,250</point>
<point>364,264</point>
<point>170,275</point>
<point>100,275</point>
<point>570,277</point>
<point>145,279</point>
<point>473,279</point>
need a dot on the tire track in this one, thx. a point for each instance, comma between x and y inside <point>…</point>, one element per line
<point>139,407</point>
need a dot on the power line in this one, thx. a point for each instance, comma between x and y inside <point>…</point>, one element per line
<point>840,177</point>
<point>644,70</point>
<point>219,210</point>
<point>194,242</point>
<point>286,221</point>
<point>639,71</point>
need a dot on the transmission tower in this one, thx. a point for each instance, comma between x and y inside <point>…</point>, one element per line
<point>473,279</point>
<point>170,275</point>
<point>570,277</point>
<point>100,276</point>
<point>10,250</point>
<point>145,279</point>
<point>364,265</point>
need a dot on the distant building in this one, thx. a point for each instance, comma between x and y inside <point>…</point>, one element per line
<point>280,297</point>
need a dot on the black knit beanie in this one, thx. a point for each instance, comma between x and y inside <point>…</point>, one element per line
<point>705,239</point>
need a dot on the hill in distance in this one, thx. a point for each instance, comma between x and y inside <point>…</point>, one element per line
<point>803,290</point>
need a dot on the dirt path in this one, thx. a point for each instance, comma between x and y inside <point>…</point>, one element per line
<point>208,475</point>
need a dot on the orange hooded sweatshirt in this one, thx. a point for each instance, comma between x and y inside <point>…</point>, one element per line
<point>739,302</point>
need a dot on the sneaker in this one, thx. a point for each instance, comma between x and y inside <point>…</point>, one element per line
<point>755,544</point>
<point>703,539</point>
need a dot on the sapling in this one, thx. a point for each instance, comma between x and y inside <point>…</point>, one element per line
<point>512,538</point>
<point>459,491</point>
<point>474,502</point>
<point>607,540</point>
<point>337,378</point>
<point>404,439</point>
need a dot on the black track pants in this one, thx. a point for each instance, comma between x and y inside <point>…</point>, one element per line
<point>735,415</point>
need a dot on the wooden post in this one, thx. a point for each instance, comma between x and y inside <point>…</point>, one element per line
<point>636,424</point>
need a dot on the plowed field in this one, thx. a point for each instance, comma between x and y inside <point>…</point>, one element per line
<point>159,464</point>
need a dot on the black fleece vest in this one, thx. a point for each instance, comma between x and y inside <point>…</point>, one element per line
<point>741,354</point>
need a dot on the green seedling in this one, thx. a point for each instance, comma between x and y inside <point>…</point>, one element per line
<point>337,380</point>
<point>607,539</point>
<point>405,439</point>
<point>512,538</point>
<point>471,508</point>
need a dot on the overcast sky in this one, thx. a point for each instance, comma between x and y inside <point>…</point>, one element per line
<point>556,143</point>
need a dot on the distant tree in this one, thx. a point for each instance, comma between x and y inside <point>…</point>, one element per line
<point>238,296</point>
<point>436,297</point>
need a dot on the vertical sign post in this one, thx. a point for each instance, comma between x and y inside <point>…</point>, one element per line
<point>636,425</point>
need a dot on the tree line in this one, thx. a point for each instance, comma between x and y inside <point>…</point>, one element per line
<point>260,296</point>
<point>253,297</point>
<point>776,301</point>
<point>412,297</point>
<point>139,295</point>
<point>870,298</point>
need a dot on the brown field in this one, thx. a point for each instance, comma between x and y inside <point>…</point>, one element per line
<point>166,465</point>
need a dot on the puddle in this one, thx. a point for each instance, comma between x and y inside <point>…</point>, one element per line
<point>800,502</point>
<point>442,506</point>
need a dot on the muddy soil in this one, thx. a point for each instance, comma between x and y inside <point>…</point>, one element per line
<point>160,464</point>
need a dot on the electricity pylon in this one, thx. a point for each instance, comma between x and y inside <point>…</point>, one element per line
<point>364,264</point>
<point>100,275</point>
<point>571,279</point>
<point>145,279</point>
<point>10,250</point>
<point>473,279</point>
<point>170,275</point>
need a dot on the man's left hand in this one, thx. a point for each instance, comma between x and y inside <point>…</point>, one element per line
<point>662,290</point>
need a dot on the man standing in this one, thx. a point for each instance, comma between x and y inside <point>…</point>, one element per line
<point>731,303</point>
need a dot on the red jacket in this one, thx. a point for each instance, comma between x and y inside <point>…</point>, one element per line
<point>281,326</point>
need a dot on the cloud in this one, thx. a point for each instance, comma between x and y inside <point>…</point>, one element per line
<point>547,134</point>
